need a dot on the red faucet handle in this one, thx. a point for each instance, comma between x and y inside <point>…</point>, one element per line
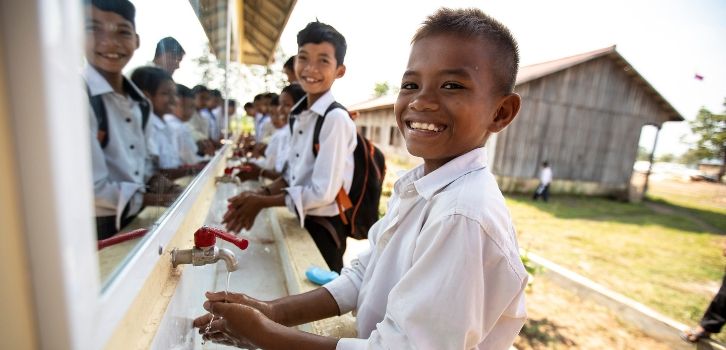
<point>229,170</point>
<point>207,236</point>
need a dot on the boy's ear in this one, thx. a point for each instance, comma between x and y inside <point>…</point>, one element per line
<point>340,71</point>
<point>508,109</point>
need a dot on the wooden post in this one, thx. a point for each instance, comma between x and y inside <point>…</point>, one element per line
<point>652,156</point>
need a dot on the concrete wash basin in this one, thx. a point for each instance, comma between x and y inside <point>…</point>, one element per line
<point>260,275</point>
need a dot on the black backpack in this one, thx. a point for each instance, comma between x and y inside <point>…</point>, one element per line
<point>359,207</point>
<point>99,109</point>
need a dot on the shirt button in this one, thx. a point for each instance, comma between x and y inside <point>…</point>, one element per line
<point>136,173</point>
<point>299,132</point>
<point>132,146</point>
<point>297,155</point>
<point>128,120</point>
<point>293,178</point>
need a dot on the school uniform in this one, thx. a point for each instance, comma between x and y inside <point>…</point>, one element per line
<point>162,147</point>
<point>120,169</point>
<point>263,122</point>
<point>182,136</point>
<point>198,127</point>
<point>443,269</point>
<point>211,123</point>
<point>216,132</point>
<point>314,182</point>
<point>276,151</point>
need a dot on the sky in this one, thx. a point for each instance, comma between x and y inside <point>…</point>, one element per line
<point>668,42</point>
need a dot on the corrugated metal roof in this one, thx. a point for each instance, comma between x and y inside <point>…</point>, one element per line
<point>540,70</point>
<point>256,27</point>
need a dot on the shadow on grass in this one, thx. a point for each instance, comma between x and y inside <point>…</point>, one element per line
<point>609,210</point>
<point>712,221</point>
<point>536,333</point>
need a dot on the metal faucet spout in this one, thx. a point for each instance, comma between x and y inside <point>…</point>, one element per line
<point>229,259</point>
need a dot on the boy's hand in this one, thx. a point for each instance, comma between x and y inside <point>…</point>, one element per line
<point>242,210</point>
<point>236,318</point>
<point>249,171</point>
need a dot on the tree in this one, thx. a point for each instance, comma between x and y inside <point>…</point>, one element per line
<point>381,89</point>
<point>710,129</point>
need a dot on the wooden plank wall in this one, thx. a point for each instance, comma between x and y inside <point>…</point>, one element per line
<point>585,120</point>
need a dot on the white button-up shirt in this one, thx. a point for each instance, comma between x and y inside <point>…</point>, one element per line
<point>443,270</point>
<point>163,147</point>
<point>121,168</point>
<point>314,181</point>
<point>182,136</point>
<point>199,127</point>
<point>545,176</point>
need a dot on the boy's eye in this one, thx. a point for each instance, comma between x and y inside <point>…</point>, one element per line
<point>450,85</point>
<point>408,86</point>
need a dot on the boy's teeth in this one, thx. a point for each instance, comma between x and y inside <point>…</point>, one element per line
<point>425,126</point>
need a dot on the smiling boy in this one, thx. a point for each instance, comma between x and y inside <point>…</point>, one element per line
<point>313,181</point>
<point>443,269</point>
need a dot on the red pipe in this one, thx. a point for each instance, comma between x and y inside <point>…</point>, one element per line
<point>122,237</point>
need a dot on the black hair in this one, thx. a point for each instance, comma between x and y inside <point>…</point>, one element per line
<point>258,97</point>
<point>275,100</point>
<point>318,32</point>
<point>475,23</point>
<point>196,90</point>
<point>183,91</point>
<point>123,8</point>
<point>545,164</point>
<point>271,95</point>
<point>232,102</point>
<point>215,93</point>
<point>149,78</point>
<point>290,63</point>
<point>168,45</point>
<point>249,105</point>
<point>295,91</point>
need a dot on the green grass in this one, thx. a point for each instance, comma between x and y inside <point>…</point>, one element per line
<point>663,261</point>
<point>706,201</point>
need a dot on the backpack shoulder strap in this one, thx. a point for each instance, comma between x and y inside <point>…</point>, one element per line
<point>99,109</point>
<point>143,103</point>
<point>319,125</point>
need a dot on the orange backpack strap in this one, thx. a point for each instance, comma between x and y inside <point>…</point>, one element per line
<point>344,203</point>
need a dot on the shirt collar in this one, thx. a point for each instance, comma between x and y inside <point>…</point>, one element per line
<point>157,122</point>
<point>323,103</point>
<point>415,182</point>
<point>98,85</point>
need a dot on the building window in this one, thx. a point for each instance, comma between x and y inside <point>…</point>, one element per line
<point>376,137</point>
<point>363,131</point>
<point>394,138</point>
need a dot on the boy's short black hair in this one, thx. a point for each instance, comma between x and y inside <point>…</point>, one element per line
<point>258,97</point>
<point>294,90</point>
<point>196,90</point>
<point>123,8</point>
<point>183,91</point>
<point>290,63</point>
<point>249,105</point>
<point>475,23</point>
<point>149,78</point>
<point>215,93</point>
<point>318,32</point>
<point>275,101</point>
<point>232,102</point>
<point>271,96</point>
<point>168,45</point>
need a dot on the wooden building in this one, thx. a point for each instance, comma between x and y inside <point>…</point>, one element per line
<point>583,114</point>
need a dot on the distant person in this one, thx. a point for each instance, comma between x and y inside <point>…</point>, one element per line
<point>178,126</point>
<point>289,69</point>
<point>443,269</point>
<point>215,108</point>
<point>169,53</point>
<point>545,178</point>
<point>119,117</point>
<point>715,316</point>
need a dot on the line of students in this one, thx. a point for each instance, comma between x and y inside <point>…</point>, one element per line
<point>145,131</point>
<point>442,270</point>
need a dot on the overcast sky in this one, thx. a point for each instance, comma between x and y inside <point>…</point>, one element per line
<point>667,42</point>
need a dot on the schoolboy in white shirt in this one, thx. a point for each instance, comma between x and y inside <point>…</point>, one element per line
<point>118,148</point>
<point>443,270</point>
<point>312,182</point>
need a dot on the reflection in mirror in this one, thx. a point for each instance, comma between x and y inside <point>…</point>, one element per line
<point>149,135</point>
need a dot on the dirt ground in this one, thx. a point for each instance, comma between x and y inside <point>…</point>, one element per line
<point>559,319</point>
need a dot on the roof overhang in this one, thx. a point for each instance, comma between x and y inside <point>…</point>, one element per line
<point>256,27</point>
